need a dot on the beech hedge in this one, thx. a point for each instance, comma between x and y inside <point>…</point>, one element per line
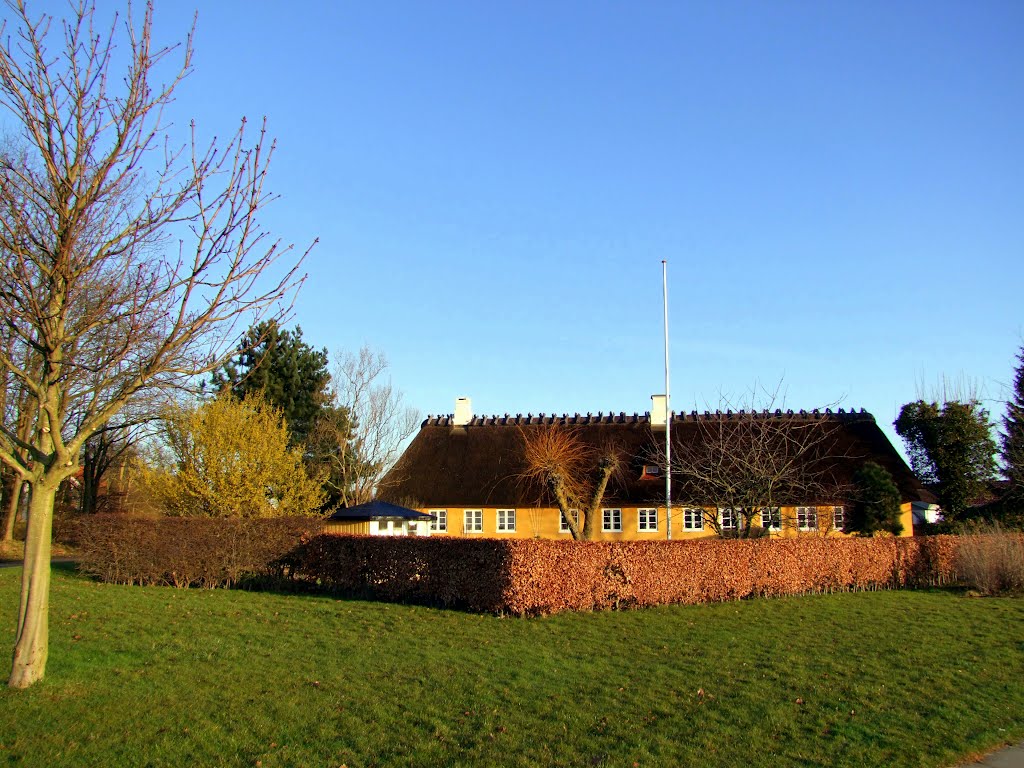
<point>536,577</point>
<point>187,552</point>
<point>525,577</point>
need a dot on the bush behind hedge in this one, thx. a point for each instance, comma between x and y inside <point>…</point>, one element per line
<point>187,552</point>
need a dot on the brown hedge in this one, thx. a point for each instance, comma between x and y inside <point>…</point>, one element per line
<point>531,577</point>
<point>185,552</point>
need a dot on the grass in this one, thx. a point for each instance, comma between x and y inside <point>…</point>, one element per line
<point>160,677</point>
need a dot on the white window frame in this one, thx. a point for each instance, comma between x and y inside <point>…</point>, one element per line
<point>563,527</point>
<point>732,517</point>
<point>472,521</point>
<point>838,517</point>
<point>693,519</point>
<point>506,520</point>
<point>611,520</point>
<point>774,517</point>
<point>645,516</point>
<point>439,520</point>
<point>807,518</point>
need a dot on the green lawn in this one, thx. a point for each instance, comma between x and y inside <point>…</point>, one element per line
<point>160,677</point>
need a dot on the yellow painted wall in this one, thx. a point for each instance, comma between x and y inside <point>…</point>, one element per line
<point>542,523</point>
<point>353,526</point>
<point>907,518</point>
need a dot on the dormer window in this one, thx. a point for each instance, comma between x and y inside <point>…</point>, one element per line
<point>651,472</point>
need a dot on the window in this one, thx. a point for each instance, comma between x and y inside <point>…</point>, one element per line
<point>611,520</point>
<point>439,521</point>
<point>563,526</point>
<point>506,520</point>
<point>771,519</point>
<point>838,518</point>
<point>807,518</point>
<point>647,519</point>
<point>651,472</point>
<point>693,519</point>
<point>727,518</point>
<point>474,521</point>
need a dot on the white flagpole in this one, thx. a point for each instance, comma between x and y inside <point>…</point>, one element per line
<point>668,411</point>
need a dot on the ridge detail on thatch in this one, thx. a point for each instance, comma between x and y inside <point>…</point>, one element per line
<point>600,417</point>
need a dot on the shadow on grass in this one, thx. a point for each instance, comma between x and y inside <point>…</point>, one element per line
<point>284,586</point>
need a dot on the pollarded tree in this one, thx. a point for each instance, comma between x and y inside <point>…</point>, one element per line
<point>231,458</point>
<point>574,473</point>
<point>94,296</point>
<point>951,446</point>
<point>876,502</point>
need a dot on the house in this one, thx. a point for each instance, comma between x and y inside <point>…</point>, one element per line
<point>379,518</point>
<point>468,474</point>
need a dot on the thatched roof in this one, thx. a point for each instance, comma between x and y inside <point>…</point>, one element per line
<point>482,464</point>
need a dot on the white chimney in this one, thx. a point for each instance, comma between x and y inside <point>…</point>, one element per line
<point>659,414</point>
<point>463,412</point>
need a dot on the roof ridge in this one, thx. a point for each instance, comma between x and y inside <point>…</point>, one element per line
<point>565,419</point>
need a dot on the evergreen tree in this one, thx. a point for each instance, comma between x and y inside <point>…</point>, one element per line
<point>1013,433</point>
<point>290,374</point>
<point>950,446</point>
<point>876,502</point>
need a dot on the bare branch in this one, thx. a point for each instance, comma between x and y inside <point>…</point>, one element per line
<point>97,306</point>
<point>753,460</point>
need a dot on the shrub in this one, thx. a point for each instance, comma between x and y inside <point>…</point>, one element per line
<point>231,458</point>
<point>876,506</point>
<point>991,559</point>
<point>186,552</point>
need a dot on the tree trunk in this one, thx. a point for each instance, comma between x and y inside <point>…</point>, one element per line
<point>11,514</point>
<point>607,466</point>
<point>31,639</point>
<point>90,484</point>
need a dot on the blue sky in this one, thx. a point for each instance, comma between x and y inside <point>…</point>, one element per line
<point>838,189</point>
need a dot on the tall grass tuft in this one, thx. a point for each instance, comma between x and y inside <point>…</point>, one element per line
<point>990,559</point>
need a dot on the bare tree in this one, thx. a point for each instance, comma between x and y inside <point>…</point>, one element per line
<point>112,445</point>
<point>574,473</point>
<point>749,462</point>
<point>362,437</point>
<point>90,290</point>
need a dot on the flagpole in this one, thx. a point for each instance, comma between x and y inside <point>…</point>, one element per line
<point>668,411</point>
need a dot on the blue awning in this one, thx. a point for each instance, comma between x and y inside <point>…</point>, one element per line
<point>376,510</point>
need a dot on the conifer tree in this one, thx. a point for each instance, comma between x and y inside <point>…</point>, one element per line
<point>1013,434</point>
<point>290,374</point>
